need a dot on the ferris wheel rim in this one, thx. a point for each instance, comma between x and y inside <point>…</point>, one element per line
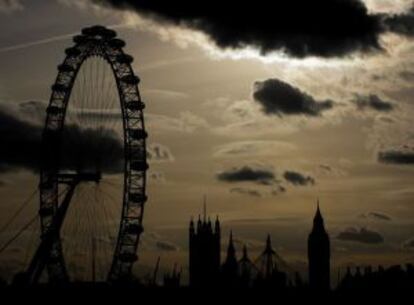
<point>101,42</point>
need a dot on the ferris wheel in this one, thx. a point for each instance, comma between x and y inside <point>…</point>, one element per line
<point>93,165</point>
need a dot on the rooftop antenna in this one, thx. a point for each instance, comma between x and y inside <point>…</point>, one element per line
<point>205,208</point>
<point>154,276</point>
<point>339,276</point>
<point>93,259</point>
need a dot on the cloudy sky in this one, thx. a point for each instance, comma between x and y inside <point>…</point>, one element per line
<point>261,109</point>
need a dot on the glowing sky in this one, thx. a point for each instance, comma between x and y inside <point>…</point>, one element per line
<point>213,113</point>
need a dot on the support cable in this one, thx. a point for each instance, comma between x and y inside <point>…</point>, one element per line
<point>17,235</point>
<point>17,213</point>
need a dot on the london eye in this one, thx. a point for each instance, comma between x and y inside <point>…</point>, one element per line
<point>93,166</point>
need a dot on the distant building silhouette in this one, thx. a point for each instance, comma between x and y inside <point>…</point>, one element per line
<point>172,280</point>
<point>392,279</point>
<point>269,273</point>
<point>247,270</point>
<point>204,252</point>
<point>229,270</point>
<point>205,265</point>
<point>319,255</point>
<point>269,270</point>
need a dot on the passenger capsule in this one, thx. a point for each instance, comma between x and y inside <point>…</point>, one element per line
<point>134,229</point>
<point>89,31</point>
<point>108,34</point>
<point>73,52</point>
<point>116,43</point>
<point>80,39</point>
<point>137,134</point>
<point>130,79</point>
<point>128,257</point>
<point>124,59</point>
<point>65,68</point>
<point>53,110</point>
<point>138,197</point>
<point>139,166</point>
<point>134,105</point>
<point>59,88</point>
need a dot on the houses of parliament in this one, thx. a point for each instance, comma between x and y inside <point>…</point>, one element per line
<point>270,271</point>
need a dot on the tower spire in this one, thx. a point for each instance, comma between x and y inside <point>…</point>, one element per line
<point>318,219</point>
<point>268,244</point>
<point>205,208</point>
<point>319,253</point>
<point>267,256</point>
<point>217,226</point>
<point>231,251</point>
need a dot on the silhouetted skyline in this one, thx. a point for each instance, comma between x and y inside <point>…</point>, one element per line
<point>263,113</point>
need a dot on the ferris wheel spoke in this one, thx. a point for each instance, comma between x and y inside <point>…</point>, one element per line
<point>110,196</point>
<point>108,219</point>
<point>73,227</point>
<point>110,208</point>
<point>85,236</point>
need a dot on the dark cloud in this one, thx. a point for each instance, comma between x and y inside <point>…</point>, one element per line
<point>397,156</point>
<point>259,175</point>
<point>247,173</point>
<point>84,148</point>
<point>373,102</point>
<point>401,23</point>
<point>362,235</point>
<point>262,176</point>
<point>20,142</point>
<point>276,190</point>
<point>298,179</point>
<point>246,191</point>
<point>21,128</point>
<point>324,28</point>
<point>35,109</point>
<point>92,149</point>
<point>279,98</point>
